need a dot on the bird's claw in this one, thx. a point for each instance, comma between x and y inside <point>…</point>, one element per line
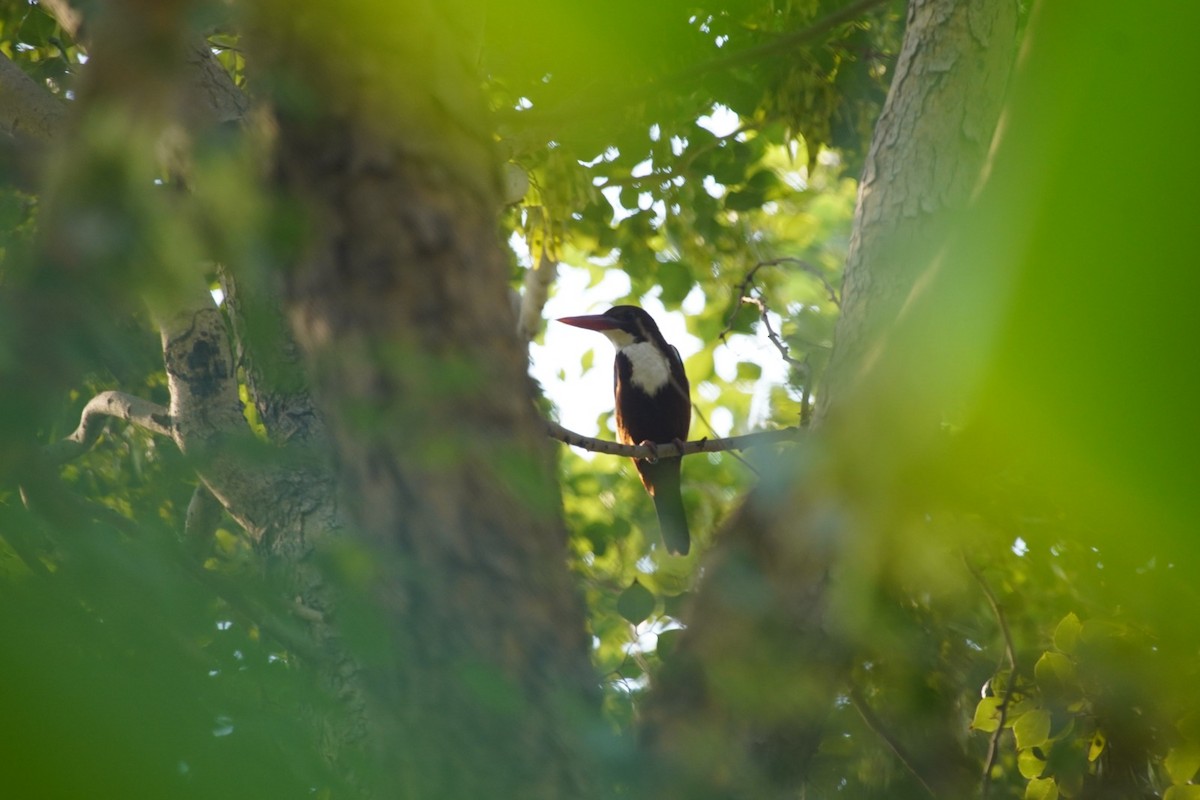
<point>653,448</point>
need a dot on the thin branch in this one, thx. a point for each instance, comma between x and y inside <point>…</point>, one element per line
<point>703,419</point>
<point>772,335</point>
<point>599,104</point>
<point>803,265</point>
<point>1010,655</point>
<point>879,729</point>
<point>780,43</point>
<point>143,413</point>
<point>668,449</point>
<point>29,110</point>
<point>745,288</point>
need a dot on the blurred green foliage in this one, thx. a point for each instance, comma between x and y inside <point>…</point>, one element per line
<point>1031,609</point>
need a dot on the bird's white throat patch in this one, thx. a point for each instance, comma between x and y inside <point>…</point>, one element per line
<point>649,369</point>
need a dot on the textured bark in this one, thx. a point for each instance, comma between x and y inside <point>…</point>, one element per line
<point>926,157</point>
<point>28,112</point>
<point>483,685</point>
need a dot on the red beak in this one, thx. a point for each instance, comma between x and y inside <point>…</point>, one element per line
<point>593,322</point>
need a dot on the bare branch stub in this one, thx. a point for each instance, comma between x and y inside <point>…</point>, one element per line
<point>102,407</point>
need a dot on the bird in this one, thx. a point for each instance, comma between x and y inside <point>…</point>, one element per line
<point>653,406</point>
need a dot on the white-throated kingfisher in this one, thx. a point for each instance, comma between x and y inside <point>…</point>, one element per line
<point>653,407</point>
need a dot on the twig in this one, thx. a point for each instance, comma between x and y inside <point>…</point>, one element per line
<point>700,414</point>
<point>143,413</point>
<point>879,729</point>
<point>772,335</point>
<point>804,266</point>
<point>744,289</point>
<point>668,449</point>
<point>1010,654</point>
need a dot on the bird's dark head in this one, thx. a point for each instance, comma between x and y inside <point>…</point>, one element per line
<point>624,325</point>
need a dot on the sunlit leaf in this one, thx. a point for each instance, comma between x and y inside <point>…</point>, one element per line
<point>1041,789</point>
<point>987,715</point>
<point>1032,729</point>
<point>1182,762</point>
<point>1030,763</point>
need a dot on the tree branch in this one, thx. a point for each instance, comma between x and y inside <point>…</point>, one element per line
<point>598,104</point>
<point>28,110</point>
<point>102,407</point>
<point>668,449</point>
<point>1010,654</point>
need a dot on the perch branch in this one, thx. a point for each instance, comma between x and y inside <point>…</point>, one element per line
<point>143,413</point>
<point>668,449</point>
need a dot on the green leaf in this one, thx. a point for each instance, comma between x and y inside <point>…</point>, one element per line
<point>1189,792</point>
<point>668,641</point>
<point>1032,729</point>
<point>588,358</point>
<point>1066,635</point>
<point>744,200</point>
<point>1182,762</point>
<point>636,603</point>
<point>1041,789</point>
<point>987,715</point>
<point>1030,763</point>
<point>676,281</point>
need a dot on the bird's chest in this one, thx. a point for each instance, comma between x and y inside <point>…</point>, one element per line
<point>648,368</point>
<point>652,403</point>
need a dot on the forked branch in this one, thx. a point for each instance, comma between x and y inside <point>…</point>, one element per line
<point>101,408</point>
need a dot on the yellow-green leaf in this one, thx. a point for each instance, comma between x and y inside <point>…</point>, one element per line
<point>1041,789</point>
<point>1182,762</point>
<point>1032,729</point>
<point>987,715</point>
<point>1030,764</point>
<point>1185,792</point>
<point>1097,745</point>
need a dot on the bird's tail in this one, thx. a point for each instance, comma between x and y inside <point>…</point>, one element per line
<point>662,479</point>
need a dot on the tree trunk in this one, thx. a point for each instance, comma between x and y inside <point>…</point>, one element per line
<point>927,155</point>
<point>480,678</point>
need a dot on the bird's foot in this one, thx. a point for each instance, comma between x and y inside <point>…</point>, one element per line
<point>653,448</point>
<point>679,443</point>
